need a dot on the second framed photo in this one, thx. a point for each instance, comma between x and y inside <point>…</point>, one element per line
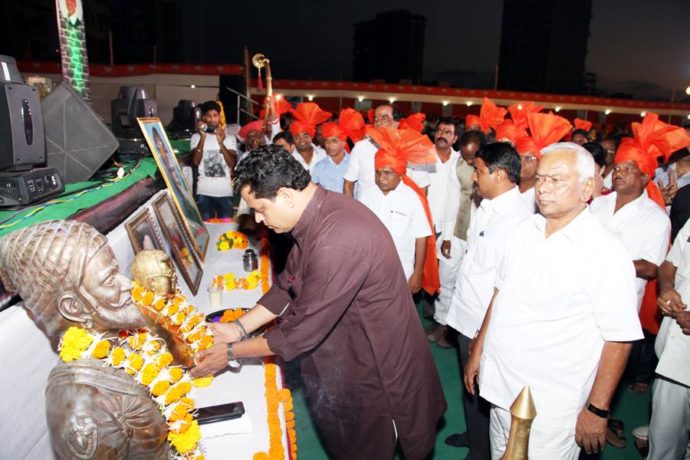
<point>181,247</point>
<point>142,232</point>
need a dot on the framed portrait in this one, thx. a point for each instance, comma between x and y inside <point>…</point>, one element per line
<point>142,233</point>
<point>180,245</point>
<point>180,191</point>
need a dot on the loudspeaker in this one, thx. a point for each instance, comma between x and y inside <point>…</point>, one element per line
<point>77,141</point>
<point>22,143</point>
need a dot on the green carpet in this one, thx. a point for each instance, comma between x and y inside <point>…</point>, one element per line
<point>632,409</point>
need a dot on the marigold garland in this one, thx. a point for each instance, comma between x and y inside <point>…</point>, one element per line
<point>180,317</point>
<point>275,397</point>
<point>232,240</point>
<point>146,359</point>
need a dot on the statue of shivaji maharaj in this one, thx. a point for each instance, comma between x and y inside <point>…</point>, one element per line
<point>97,408</point>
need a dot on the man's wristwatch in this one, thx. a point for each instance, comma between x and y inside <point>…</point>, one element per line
<point>598,412</point>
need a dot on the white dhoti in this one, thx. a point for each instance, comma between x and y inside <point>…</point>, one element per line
<point>668,429</point>
<point>549,439</point>
<point>448,274</point>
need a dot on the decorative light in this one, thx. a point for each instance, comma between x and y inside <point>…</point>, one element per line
<point>445,103</point>
<point>279,97</point>
<point>468,103</point>
<point>519,106</point>
<point>360,98</point>
<point>391,99</point>
<point>687,90</point>
<point>558,108</point>
<point>310,97</point>
<point>607,111</point>
<point>192,86</point>
<point>688,117</point>
<point>642,114</point>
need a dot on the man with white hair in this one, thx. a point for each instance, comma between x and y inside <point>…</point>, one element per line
<point>561,319</point>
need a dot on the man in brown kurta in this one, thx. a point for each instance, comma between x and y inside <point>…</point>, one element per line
<point>344,307</point>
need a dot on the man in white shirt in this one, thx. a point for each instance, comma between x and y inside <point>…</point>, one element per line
<point>361,169</point>
<point>642,225</point>
<point>400,210</point>
<point>497,171</point>
<point>215,154</point>
<point>561,319</point>
<point>670,423</point>
<point>438,196</point>
<point>307,116</point>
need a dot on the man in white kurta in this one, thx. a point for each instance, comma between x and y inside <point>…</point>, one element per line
<point>497,170</point>
<point>403,215</point>
<point>670,423</point>
<point>562,316</point>
<point>641,224</point>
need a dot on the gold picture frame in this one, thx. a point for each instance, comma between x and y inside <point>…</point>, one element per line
<point>138,228</point>
<point>179,242</point>
<point>180,191</point>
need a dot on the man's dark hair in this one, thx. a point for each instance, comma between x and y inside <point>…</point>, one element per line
<point>449,121</point>
<point>501,155</point>
<point>473,137</point>
<point>397,114</point>
<point>267,169</point>
<point>209,105</point>
<point>581,132</point>
<point>597,151</point>
<point>286,136</point>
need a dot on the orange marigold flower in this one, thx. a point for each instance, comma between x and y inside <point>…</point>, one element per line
<point>147,298</point>
<point>160,387</point>
<point>101,349</point>
<point>159,304</point>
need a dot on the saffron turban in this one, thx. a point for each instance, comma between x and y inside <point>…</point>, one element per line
<point>307,116</point>
<point>490,116</point>
<point>545,129</point>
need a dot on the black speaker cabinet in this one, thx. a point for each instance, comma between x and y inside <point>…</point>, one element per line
<point>77,141</point>
<point>22,144</point>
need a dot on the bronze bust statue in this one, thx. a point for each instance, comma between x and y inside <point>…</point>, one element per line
<point>68,276</point>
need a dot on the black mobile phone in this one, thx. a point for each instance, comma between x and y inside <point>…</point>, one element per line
<point>219,413</point>
<point>210,128</point>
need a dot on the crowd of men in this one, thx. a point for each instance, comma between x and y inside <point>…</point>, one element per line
<point>539,248</point>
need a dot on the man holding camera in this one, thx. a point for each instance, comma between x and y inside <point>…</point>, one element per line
<point>215,154</point>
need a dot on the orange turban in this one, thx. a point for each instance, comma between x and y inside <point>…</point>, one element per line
<point>520,111</point>
<point>256,125</point>
<point>414,121</point>
<point>370,116</point>
<point>307,116</point>
<point>352,123</point>
<point>545,129</point>
<point>397,148</point>
<point>651,139</point>
<point>490,116</point>
<point>582,124</point>
<point>332,129</point>
<point>509,131</point>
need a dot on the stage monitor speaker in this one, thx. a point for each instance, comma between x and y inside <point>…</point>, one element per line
<point>21,127</point>
<point>77,141</point>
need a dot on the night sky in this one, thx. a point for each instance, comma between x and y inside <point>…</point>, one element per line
<point>635,46</point>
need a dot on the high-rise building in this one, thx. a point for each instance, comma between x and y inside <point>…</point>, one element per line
<point>390,47</point>
<point>544,45</point>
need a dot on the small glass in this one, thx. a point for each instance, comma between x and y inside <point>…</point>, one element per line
<point>215,294</point>
<point>249,260</point>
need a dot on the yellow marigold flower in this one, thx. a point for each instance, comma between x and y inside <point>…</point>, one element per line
<point>149,373</point>
<point>178,318</point>
<point>177,391</point>
<point>184,442</point>
<point>223,246</point>
<point>189,402</point>
<point>202,382</point>
<point>137,340</point>
<point>182,424</point>
<point>160,387</point>
<point>205,342</point>
<point>176,374</point>
<point>179,412</point>
<point>74,342</point>
<point>137,293</point>
<point>165,359</point>
<point>147,298</point>
<point>117,356</point>
<point>159,304</point>
<point>136,361</point>
<point>101,349</point>
<point>172,309</point>
<point>178,300</point>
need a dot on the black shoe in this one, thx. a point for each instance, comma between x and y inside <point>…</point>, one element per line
<point>458,440</point>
